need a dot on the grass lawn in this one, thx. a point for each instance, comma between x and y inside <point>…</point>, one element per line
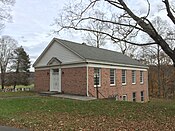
<point>17,94</point>
<point>54,114</point>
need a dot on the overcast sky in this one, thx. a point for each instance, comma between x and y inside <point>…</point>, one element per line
<point>31,25</point>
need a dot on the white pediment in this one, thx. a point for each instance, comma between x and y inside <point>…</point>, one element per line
<point>54,61</point>
<point>58,51</point>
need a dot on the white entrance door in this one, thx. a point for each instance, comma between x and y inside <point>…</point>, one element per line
<point>55,80</point>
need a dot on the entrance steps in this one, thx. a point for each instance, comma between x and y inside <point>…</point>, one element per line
<point>49,93</point>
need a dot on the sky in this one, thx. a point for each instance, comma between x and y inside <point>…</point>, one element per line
<point>31,24</point>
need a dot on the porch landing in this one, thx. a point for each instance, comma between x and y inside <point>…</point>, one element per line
<point>48,93</point>
<point>75,97</point>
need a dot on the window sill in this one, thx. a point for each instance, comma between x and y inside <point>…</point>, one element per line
<point>133,83</point>
<point>112,85</point>
<point>98,86</point>
<point>123,84</point>
<point>141,83</point>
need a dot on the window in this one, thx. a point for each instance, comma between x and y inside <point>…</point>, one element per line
<point>134,96</point>
<point>112,76</point>
<point>124,97</point>
<point>97,77</point>
<point>141,76</point>
<point>133,76</point>
<point>142,95</point>
<point>123,77</point>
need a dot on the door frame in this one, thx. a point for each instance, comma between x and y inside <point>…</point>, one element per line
<point>51,79</point>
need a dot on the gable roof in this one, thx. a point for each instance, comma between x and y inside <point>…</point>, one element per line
<point>98,54</point>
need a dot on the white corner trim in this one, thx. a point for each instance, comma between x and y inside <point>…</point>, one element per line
<point>60,78</point>
<point>87,80</point>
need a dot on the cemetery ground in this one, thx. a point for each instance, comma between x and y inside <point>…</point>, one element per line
<point>51,113</point>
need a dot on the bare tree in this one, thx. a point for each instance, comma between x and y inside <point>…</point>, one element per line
<point>7,47</point>
<point>5,15</point>
<point>96,39</point>
<point>78,15</point>
<point>155,55</point>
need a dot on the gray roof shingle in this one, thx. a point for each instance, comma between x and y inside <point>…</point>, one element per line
<point>99,54</point>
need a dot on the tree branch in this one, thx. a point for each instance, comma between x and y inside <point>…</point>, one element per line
<point>115,3</point>
<point>111,36</point>
<point>108,21</point>
<point>168,8</point>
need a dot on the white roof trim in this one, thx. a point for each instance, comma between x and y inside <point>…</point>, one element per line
<point>100,64</point>
<point>47,48</point>
<point>116,64</point>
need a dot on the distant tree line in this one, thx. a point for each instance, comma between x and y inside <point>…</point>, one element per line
<point>161,83</point>
<point>24,78</point>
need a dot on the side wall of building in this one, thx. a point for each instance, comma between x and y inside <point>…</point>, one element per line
<point>107,91</point>
<point>74,81</point>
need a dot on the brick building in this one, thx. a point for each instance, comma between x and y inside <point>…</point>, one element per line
<point>73,68</point>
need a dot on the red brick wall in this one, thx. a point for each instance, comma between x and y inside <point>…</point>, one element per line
<point>129,88</point>
<point>105,89</point>
<point>108,91</point>
<point>74,80</point>
<point>42,80</point>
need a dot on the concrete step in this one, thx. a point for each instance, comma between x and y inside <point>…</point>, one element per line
<point>49,93</point>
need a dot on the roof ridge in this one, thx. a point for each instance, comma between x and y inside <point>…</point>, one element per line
<point>90,46</point>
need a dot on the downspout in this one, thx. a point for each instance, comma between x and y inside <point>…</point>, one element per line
<point>87,80</point>
<point>147,86</point>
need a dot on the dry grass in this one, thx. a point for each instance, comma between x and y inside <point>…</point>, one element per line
<point>52,114</point>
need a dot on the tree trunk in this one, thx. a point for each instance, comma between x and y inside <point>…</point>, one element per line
<point>173,88</point>
<point>16,74</point>
<point>2,79</point>
<point>14,86</point>
<point>158,73</point>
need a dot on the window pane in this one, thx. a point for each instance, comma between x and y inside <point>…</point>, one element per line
<point>133,76</point>
<point>123,76</point>
<point>141,76</point>
<point>96,76</point>
<point>124,97</point>
<point>112,76</point>
<point>134,96</point>
<point>142,95</point>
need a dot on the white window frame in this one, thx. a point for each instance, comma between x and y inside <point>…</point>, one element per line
<point>142,96</point>
<point>141,77</point>
<point>125,97</point>
<point>99,75</point>
<point>133,74</point>
<point>124,76</point>
<point>114,75</point>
